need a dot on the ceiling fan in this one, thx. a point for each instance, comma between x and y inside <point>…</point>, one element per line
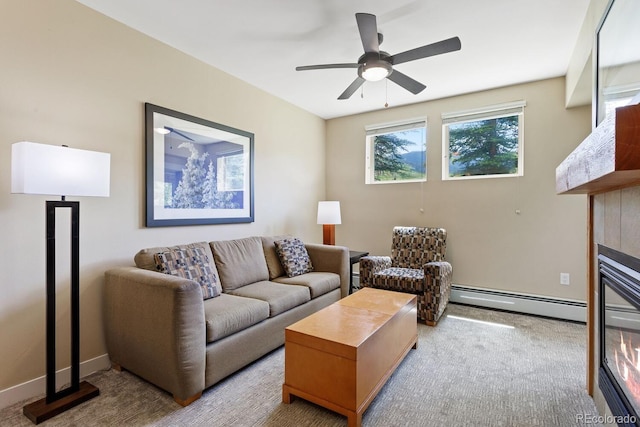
<point>376,64</point>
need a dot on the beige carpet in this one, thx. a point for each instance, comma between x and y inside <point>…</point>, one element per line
<point>514,370</point>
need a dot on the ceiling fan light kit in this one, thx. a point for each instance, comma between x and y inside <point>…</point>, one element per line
<point>376,65</point>
<point>375,70</point>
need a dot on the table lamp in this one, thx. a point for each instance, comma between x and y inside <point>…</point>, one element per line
<point>328,216</point>
<point>62,171</point>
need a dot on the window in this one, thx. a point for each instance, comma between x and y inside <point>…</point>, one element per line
<point>231,172</point>
<point>483,143</point>
<point>396,152</point>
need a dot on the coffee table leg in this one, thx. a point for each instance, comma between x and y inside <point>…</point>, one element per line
<point>286,396</point>
<point>354,419</point>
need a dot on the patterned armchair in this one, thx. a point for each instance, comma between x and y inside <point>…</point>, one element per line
<point>416,266</point>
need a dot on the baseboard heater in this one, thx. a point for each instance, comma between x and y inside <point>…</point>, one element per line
<point>521,303</point>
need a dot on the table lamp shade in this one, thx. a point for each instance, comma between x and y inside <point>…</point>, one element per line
<point>57,170</point>
<point>329,212</point>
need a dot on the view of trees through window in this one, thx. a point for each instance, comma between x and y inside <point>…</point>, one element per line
<point>484,147</point>
<point>477,143</point>
<point>397,156</point>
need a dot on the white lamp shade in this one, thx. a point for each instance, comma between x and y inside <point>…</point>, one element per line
<point>329,213</point>
<point>56,170</point>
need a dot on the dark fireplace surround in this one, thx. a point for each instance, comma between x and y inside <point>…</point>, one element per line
<point>619,333</point>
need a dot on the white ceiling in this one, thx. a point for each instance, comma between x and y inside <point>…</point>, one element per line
<point>504,42</point>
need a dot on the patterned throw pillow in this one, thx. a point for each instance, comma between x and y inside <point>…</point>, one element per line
<point>293,256</point>
<point>189,263</point>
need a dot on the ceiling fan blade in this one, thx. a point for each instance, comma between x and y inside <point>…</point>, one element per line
<point>368,32</point>
<point>352,88</point>
<point>444,46</point>
<point>325,66</point>
<point>406,82</point>
<point>178,132</point>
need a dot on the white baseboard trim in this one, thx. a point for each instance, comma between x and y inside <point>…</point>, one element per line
<point>37,386</point>
<point>521,303</point>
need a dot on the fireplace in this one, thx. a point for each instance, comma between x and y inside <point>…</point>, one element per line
<point>619,376</point>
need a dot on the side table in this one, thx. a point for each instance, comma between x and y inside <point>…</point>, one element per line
<point>354,258</point>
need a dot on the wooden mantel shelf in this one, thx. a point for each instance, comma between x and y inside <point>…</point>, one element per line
<point>608,159</point>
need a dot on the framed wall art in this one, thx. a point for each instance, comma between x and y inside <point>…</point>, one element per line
<point>197,171</point>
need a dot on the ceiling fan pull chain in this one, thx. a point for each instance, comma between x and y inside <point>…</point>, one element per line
<point>386,93</point>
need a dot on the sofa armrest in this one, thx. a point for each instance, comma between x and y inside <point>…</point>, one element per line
<point>369,265</point>
<point>334,259</point>
<point>155,328</point>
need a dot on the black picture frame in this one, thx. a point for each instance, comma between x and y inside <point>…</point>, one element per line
<point>198,172</point>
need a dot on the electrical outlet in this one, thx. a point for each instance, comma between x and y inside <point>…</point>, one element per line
<point>565,278</point>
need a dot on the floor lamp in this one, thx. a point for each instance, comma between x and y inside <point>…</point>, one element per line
<point>59,170</point>
<point>329,216</point>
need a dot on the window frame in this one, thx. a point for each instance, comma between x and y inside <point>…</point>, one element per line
<point>371,131</point>
<point>498,111</point>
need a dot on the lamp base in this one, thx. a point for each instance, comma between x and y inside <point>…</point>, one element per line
<point>329,234</point>
<point>40,410</point>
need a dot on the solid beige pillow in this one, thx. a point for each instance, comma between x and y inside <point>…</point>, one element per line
<point>273,261</point>
<point>240,262</point>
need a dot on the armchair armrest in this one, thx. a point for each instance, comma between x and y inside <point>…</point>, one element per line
<point>369,265</point>
<point>155,327</point>
<point>438,276</point>
<point>334,259</point>
<point>438,268</point>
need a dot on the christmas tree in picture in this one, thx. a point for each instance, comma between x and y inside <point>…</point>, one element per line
<point>213,198</point>
<point>198,187</point>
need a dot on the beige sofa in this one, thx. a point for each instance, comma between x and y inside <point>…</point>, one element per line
<point>160,327</point>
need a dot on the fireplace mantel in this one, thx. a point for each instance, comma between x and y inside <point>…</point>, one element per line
<point>608,159</point>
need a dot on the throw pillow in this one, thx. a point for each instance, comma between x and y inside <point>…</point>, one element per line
<point>293,256</point>
<point>190,263</point>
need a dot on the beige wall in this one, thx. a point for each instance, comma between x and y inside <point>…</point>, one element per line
<point>72,76</point>
<point>489,245</point>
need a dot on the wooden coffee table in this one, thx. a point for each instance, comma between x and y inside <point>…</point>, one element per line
<point>341,356</point>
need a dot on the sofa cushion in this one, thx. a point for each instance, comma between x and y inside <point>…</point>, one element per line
<point>273,260</point>
<point>294,257</point>
<point>280,297</point>
<point>229,314</point>
<point>190,263</point>
<point>240,262</point>
<point>319,283</point>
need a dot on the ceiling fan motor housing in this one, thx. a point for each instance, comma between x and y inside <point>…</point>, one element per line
<point>375,66</point>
